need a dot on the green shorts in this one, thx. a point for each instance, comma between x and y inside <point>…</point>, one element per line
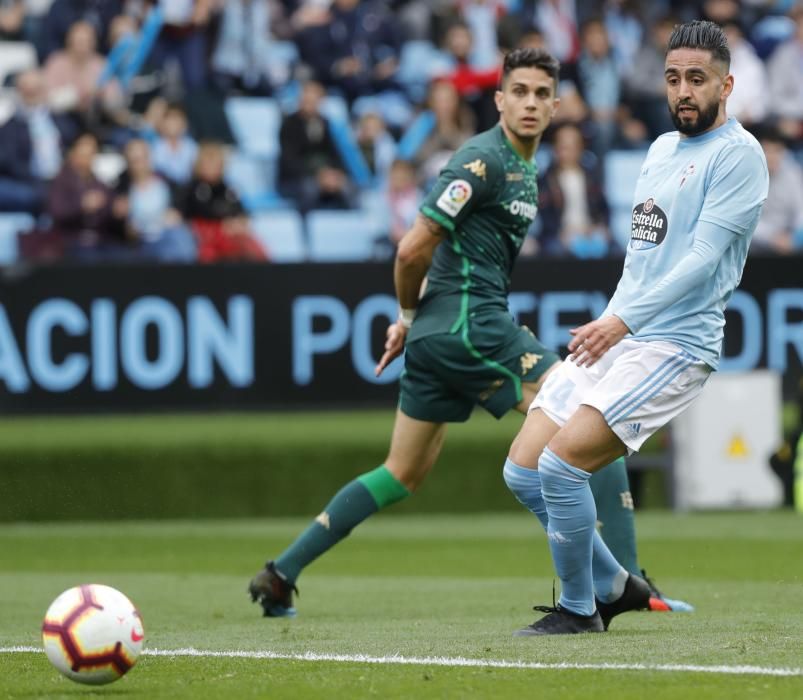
<point>485,363</point>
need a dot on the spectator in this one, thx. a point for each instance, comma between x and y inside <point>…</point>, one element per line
<point>722,11</point>
<point>483,17</point>
<point>571,202</point>
<point>780,226</point>
<point>557,19</point>
<point>531,38</point>
<point>31,146</point>
<point>404,199</point>
<point>127,78</point>
<point>72,74</point>
<point>376,145</point>
<point>749,100</point>
<point>451,123</point>
<point>245,57</point>
<point>625,28</point>
<point>80,207</point>
<point>355,51</point>
<point>311,172</point>
<point>153,225</point>
<point>174,151</point>
<point>644,89</point>
<point>12,19</point>
<point>599,83</point>
<point>475,83</point>
<point>573,110</point>
<point>786,87</point>
<point>215,213</point>
<point>63,14</point>
<point>183,39</point>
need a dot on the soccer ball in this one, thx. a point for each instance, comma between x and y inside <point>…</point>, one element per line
<point>92,634</point>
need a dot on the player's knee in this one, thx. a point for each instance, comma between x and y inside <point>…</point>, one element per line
<point>406,474</point>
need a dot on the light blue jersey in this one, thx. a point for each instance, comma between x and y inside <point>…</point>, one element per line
<point>692,192</point>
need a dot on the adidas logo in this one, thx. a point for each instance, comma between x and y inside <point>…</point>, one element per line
<point>557,537</point>
<point>634,429</point>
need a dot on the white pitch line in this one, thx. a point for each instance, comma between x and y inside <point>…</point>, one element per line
<point>458,661</point>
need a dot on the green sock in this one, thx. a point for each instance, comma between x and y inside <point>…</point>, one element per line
<point>611,490</point>
<point>356,501</point>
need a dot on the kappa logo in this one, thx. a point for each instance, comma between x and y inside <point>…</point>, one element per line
<point>528,361</point>
<point>477,167</point>
<point>455,197</point>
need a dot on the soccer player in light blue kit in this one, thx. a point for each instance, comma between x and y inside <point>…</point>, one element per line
<point>647,357</point>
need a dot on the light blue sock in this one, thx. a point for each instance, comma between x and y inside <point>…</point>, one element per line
<point>572,521</point>
<point>525,484</point>
<point>608,576</point>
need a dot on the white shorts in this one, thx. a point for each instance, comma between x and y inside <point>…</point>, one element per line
<point>637,386</point>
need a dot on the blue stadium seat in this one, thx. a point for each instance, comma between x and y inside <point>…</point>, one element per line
<point>420,61</point>
<point>622,169</point>
<point>335,108</point>
<point>621,223</point>
<point>10,226</point>
<point>281,232</point>
<point>253,178</point>
<point>342,236</point>
<point>255,123</point>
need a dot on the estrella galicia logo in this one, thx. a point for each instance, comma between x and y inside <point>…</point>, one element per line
<point>649,226</point>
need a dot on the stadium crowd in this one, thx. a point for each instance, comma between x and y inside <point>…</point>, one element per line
<point>187,130</point>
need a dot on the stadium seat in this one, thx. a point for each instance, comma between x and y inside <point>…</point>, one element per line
<point>768,33</point>
<point>334,108</point>
<point>420,60</point>
<point>621,222</point>
<point>255,123</point>
<point>253,178</point>
<point>15,57</point>
<point>342,236</point>
<point>281,232</point>
<point>622,169</point>
<point>10,226</point>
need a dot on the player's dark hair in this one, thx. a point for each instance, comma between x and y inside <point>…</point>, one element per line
<point>531,58</point>
<point>701,34</point>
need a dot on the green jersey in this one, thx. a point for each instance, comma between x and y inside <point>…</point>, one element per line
<point>485,199</point>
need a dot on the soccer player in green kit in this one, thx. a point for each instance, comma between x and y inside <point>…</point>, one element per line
<point>463,349</point>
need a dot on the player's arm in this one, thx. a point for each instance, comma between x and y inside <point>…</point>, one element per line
<point>413,259</point>
<point>594,339</point>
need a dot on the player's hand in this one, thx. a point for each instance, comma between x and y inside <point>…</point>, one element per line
<point>592,340</point>
<point>394,345</point>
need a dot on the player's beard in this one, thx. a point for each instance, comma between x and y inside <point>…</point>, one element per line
<point>705,118</point>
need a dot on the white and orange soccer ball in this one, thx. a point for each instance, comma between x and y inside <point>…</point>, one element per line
<point>93,634</point>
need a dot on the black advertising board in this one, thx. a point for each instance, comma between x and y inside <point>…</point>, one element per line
<point>133,338</point>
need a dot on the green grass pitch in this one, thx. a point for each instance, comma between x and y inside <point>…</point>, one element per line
<point>422,586</point>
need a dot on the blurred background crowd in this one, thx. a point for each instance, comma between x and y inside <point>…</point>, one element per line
<point>204,130</point>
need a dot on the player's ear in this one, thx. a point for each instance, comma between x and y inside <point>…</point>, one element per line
<point>498,97</point>
<point>727,85</point>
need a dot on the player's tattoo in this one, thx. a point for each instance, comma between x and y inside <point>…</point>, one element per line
<point>431,225</point>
